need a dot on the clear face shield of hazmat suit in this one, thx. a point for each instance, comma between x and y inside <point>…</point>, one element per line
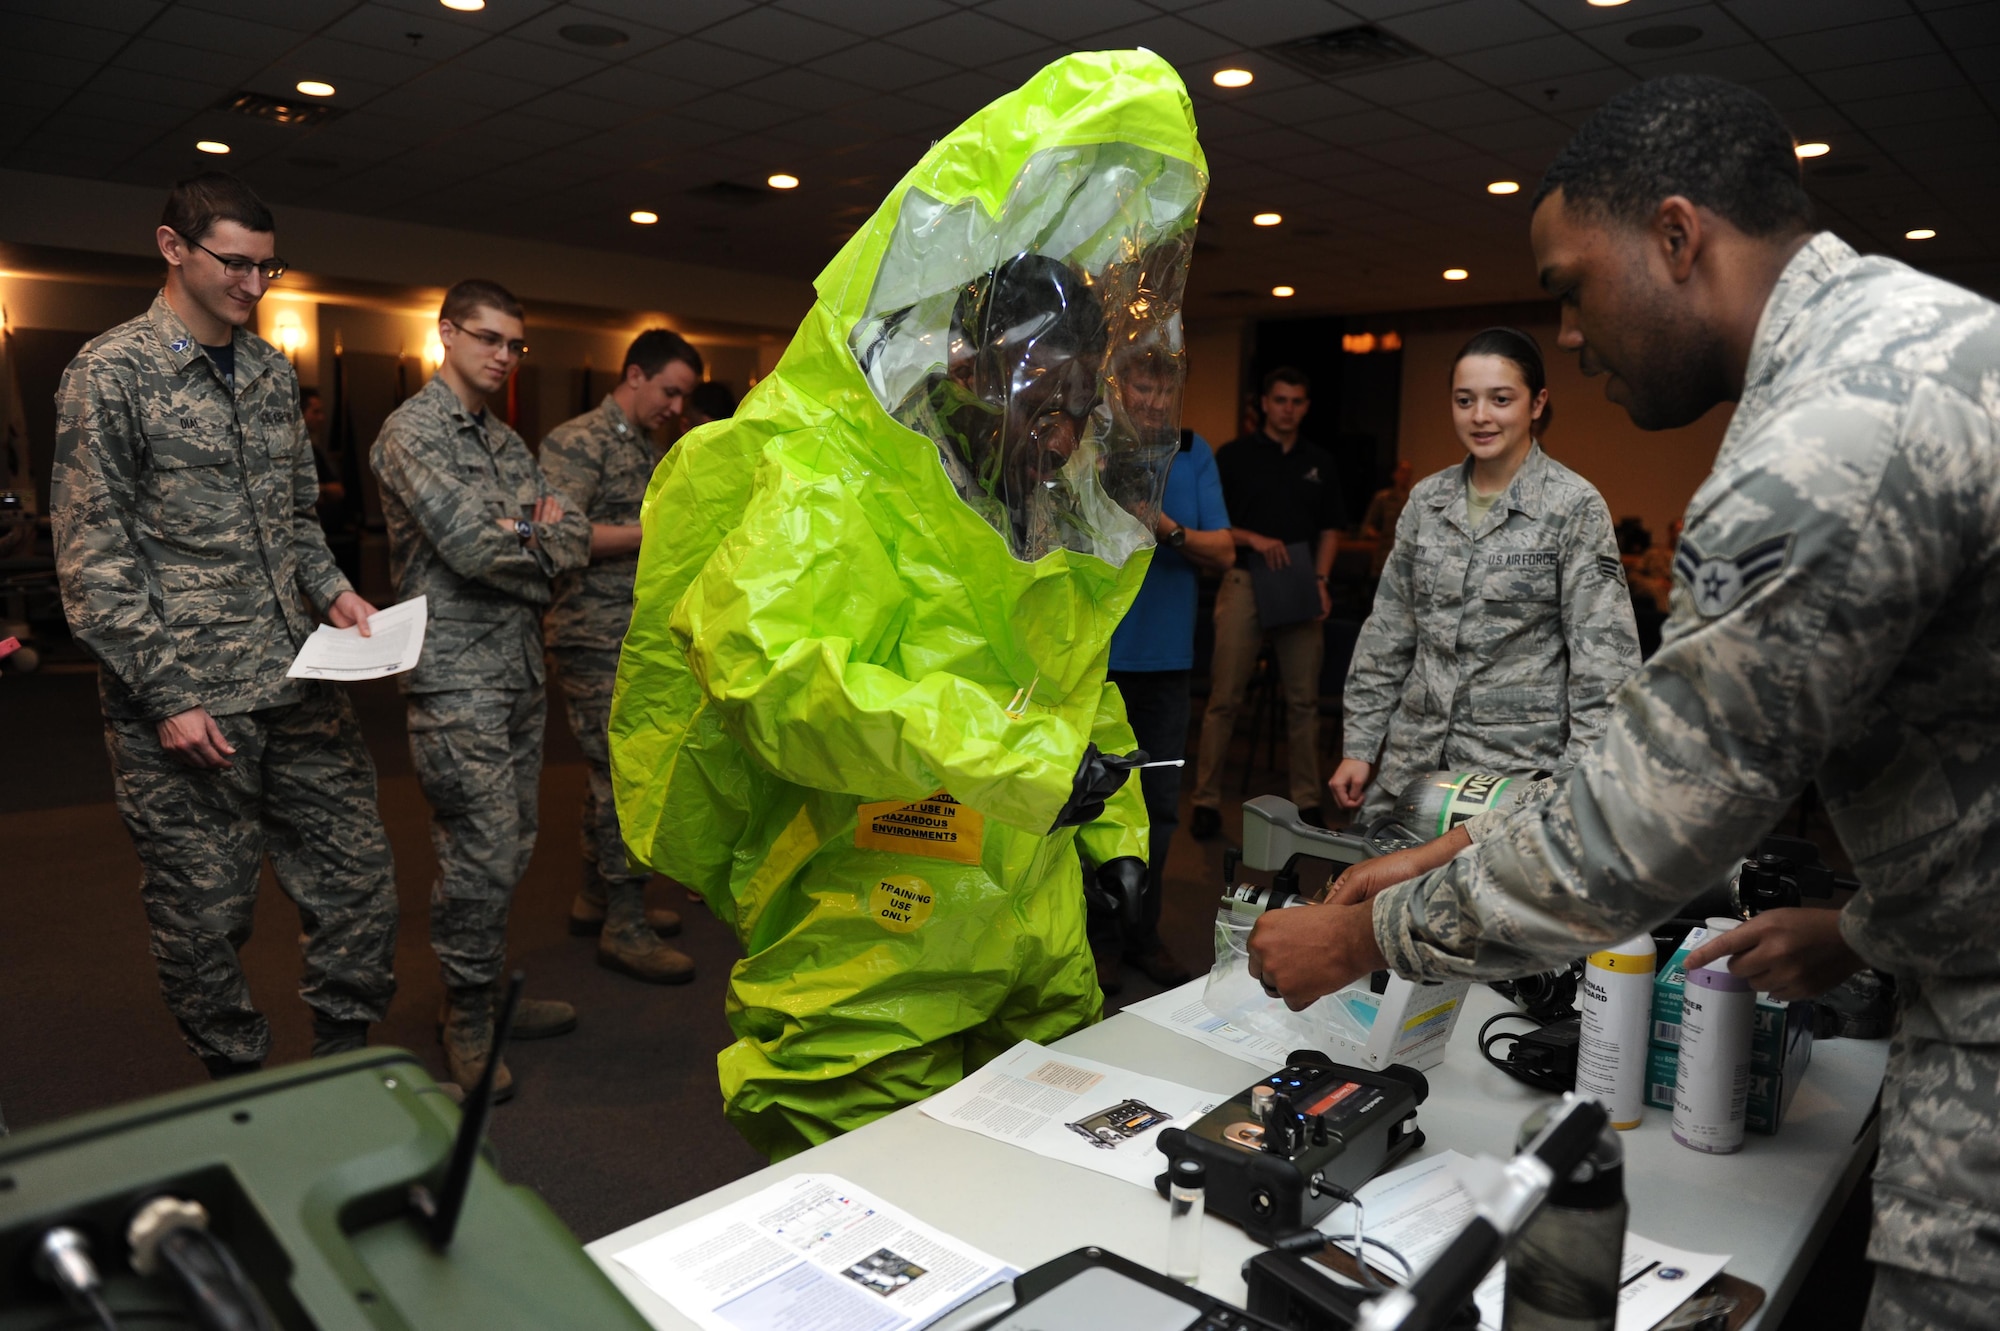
<point>862,708</point>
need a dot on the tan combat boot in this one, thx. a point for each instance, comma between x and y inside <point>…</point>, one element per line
<point>629,946</point>
<point>468,1040</point>
<point>587,911</point>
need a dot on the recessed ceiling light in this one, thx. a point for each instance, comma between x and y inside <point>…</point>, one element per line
<point>1504,187</point>
<point>1456,274</point>
<point>1282,291</point>
<point>314,88</point>
<point>1812,149</point>
<point>1233,78</point>
<point>1606,4</point>
<point>212,146</point>
<point>1921,233</point>
<point>644,218</point>
<point>1267,219</point>
<point>782,181</point>
<point>468,6</point>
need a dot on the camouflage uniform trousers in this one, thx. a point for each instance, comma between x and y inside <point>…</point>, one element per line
<point>587,675</point>
<point>478,754</point>
<point>1906,1300</point>
<point>301,789</point>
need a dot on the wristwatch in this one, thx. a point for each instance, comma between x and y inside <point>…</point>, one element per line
<point>1177,538</point>
<point>524,529</point>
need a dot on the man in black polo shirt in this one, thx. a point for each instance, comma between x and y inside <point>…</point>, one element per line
<point>1281,492</point>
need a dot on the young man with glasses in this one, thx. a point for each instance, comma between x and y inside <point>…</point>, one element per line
<point>602,461</point>
<point>475,528</point>
<point>193,567</point>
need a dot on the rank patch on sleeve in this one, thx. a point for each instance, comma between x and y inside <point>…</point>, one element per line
<point>1612,567</point>
<point>1718,582</point>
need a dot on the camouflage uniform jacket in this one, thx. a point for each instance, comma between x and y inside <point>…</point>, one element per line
<point>602,462</point>
<point>190,557</point>
<point>1836,619</point>
<point>447,479</point>
<point>1497,648</point>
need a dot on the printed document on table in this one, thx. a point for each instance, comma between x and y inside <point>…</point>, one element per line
<point>1420,1208</point>
<point>395,641</point>
<point>1183,1012</point>
<point>812,1251</point>
<point>1068,1108</point>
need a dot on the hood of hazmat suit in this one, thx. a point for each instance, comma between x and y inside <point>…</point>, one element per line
<point>874,607</point>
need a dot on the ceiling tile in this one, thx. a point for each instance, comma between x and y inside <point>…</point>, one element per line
<point>1532,132</point>
<point>22,96</point>
<point>702,64</point>
<point>507,59</point>
<point>738,112</point>
<point>1573,17</point>
<point>1418,81</point>
<point>1779,18</point>
<point>1470,25</point>
<point>1714,26</point>
<point>880,66</point>
<point>1739,64</point>
<point>1066,20</point>
<point>222,32</point>
<point>1574,92</point>
<point>968,38</point>
<point>331,59</point>
<point>127,16</point>
<point>1959,104</point>
<point>1257,23</point>
<point>803,90</point>
<point>775,35</point>
<point>38,67</point>
<point>1190,49</point>
<point>1546,57</point>
<point>1483,107</point>
<point>1364,128</point>
<point>387,29</point>
<point>877,18</point>
<point>545,29</point>
<point>1860,44</point>
<point>1968,26</point>
<point>219,68</point>
<point>76,41</point>
<point>1307,102</point>
<point>580,109</point>
<point>158,88</point>
<point>1887,78</point>
<point>959,94</point>
<point>681,16</point>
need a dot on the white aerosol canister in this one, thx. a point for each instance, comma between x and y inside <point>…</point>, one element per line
<point>1616,1000</point>
<point>1712,1090</point>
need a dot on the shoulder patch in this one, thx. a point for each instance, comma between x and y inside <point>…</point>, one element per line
<point>1718,582</point>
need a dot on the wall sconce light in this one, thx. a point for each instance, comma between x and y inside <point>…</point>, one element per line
<point>433,350</point>
<point>289,332</point>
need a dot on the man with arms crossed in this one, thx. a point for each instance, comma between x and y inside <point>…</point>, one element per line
<point>475,529</point>
<point>1836,620</point>
<point>601,461</point>
<point>193,567</point>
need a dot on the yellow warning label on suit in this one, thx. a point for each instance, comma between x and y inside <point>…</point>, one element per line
<point>901,903</point>
<point>939,828</point>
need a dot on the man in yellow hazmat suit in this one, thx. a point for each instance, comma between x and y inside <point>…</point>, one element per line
<point>861,707</point>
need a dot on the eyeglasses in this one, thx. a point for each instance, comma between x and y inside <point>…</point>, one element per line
<point>236,265</point>
<point>492,341</point>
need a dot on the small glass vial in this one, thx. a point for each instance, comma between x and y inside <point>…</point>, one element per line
<point>1187,1202</point>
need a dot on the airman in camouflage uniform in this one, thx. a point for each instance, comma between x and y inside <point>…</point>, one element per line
<point>1836,620</point>
<point>601,461</point>
<point>193,567</point>
<point>1496,647</point>
<point>460,492</point>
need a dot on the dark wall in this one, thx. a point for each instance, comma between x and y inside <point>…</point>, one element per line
<point>40,357</point>
<point>1356,400</point>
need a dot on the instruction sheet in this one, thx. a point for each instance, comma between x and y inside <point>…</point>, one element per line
<point>1183,1012</point>
<point>395,640</point>
<point>1420,1208</point>
<point>812,1251</point>
<point>1068,1108</point>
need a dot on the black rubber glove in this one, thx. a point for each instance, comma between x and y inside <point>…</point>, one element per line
<point>1098,778</point>
<point>1118,887</point>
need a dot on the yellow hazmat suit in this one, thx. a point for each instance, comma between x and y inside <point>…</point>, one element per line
<point>867,654</point>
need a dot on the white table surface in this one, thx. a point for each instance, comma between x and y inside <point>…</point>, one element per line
<point>1769,1206</point>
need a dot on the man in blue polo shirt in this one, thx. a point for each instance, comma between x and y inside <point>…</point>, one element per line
<point>1153,651</point>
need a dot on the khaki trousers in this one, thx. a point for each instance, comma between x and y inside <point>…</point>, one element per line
<point>1238,638</point>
